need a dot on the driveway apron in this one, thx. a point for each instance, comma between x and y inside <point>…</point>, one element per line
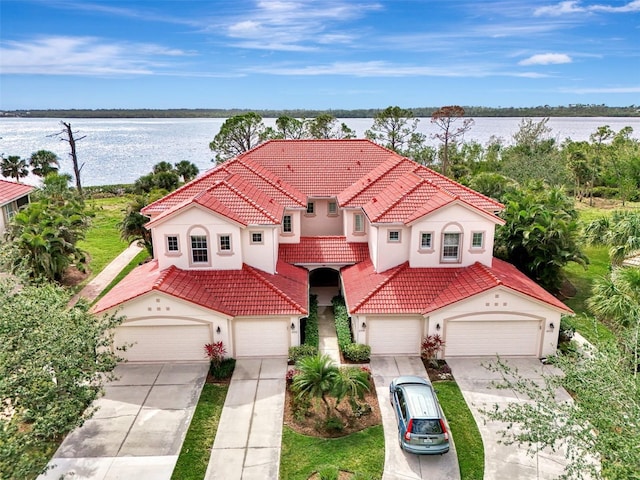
<point>398,464</point>
<point>249,436</point>
<point>138,429</point>
<point>505,462</point>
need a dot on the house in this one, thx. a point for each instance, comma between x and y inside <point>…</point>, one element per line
<point>239,249</point>
<point>12,197</point>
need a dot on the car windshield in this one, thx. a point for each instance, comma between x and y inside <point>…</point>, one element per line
<point>425,427</point>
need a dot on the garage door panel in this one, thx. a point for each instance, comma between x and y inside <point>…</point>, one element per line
<point>163,343</point>
<point>261,338</point>
<point>395,336</point>
<point>488,338</point>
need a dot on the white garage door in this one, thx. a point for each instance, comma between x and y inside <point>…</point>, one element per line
<point>166,343</point>
<point>395,336</point>
<point>261,338</point>
<point>479,338</point>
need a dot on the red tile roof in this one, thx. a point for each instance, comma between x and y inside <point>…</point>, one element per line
<point>423,290</point>
<point>232,292</point>
<point>10,191</point>
<point>323,250</point>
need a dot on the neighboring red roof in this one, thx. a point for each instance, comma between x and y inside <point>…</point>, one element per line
<point>232,292</point>
<point>422,290</point>
<point>323,250</point>
<point>10,191</point>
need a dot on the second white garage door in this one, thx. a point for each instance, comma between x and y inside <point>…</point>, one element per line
<point>261,338</point>
<point>395,336</point>
<point>163,343</point>
<point>482,338</point>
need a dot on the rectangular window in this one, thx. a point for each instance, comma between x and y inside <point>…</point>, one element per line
<point>311,208</point>
<point>287,224</point>
<point>332,208</point>
<point>426,240</point>
<point>358,221</point>
<point>477,241</point>
<point>394,236</point>
<point>224,243</point>
<point>451,247</point>
<point>256,238</point>
<point>172,244</point>
<point>199,252</point>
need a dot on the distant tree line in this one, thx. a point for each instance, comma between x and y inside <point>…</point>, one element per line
<point>572,110</point>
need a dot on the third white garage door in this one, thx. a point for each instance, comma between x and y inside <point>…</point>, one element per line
<point>261,338</point>
<point>481,338</point>
<point>395,336</point>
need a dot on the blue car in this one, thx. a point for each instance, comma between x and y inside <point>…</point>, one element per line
<point>422,428</point>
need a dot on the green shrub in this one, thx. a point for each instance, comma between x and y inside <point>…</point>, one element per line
<point>328,472</point>
<point>343,328</point>
<point>357,352</point>
<point>306,350</point>
<point>333,424</point>
<point>223,370</point>
<point>311,333</point>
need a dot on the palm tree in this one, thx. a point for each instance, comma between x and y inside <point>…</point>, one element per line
<point>352,383</point>
<point>187,170</point>
<point>317,378</point>
<point>162,167</point>
<point>621,232</point>
<point>617,298</point>
<point>44,162</point>
<point>132,225</point>
<point>14,167</point>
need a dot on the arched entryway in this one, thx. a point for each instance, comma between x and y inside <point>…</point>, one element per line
<point>325,283</point>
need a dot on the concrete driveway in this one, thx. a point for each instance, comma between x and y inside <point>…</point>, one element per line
<point>400,465</point>
<point>139,428</point>
<point>503,462</point>
<point>249,436</point>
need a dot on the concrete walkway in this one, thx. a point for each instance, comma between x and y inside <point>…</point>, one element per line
<point>248,441</point>
<point>139,427</point>
<point>327,332</point>
<point>92,289</point>
<point>398,464</point>
<point>505,462</point>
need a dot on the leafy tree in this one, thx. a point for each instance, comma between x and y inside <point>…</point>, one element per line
<point>44,162</point>
<point>53,364</point>
<point>541,234</point>
<point>187,170</point>
<point>620,231</point>
<point>166,180</point>
<point>237,135</point>
<point>326,127</point>
<point>317,378</point>
<point>132,226</point>
<point>14,167</point>
<point>287,128</point>
<point>445,119</point>
<point>492,185</point>
<point>599,429</point>
<point>394,128</point>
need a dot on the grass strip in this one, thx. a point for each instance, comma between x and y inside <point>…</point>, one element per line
<point>196,449</point>
<point>465,432</point>
<point>137,260</point>
<point>361,452</point>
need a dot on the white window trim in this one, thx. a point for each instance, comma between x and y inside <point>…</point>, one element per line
<point>208,240</point>
<point>423,249</point>
<point>252,242</point>
<point>329,212</point>
<point>220,250</point>
<point>458,259</point>
<point>172,253</point>
<point>355,223</point>
<point>399,240</point>
<point>481,248</point>
<point>283,232</point>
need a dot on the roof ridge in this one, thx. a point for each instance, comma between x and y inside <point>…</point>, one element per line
<point>489,272</point>
<point>163,276</point>
<point>248,199</point>
<point>385,281</point>
<point>254,167</point>
<point>258,274</point>
<point>395,162</point>
<point>400,198</point>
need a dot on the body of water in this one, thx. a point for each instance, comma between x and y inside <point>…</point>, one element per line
<point>121,150</point>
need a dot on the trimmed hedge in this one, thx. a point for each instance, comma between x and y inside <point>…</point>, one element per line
<point>311,333</point>
<point>356,352</point>
<point>300,351</point>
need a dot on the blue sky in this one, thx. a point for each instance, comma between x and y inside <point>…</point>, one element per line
<point>317,53</point>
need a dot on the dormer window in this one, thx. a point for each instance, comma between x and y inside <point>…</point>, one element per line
<point>287,224</point>
<point>311,208</point>
<point>332,209</point>
<point>199,250</point>
<point>173,245</point>
<point>224,244</point>
<point>393,236</point>
<point>256,238</point>
<point>451,247</point>
<point>477,241</point>
<point>426,241</point>
<point>358,223</point>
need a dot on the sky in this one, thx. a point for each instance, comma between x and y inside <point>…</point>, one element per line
<point>317,54</point>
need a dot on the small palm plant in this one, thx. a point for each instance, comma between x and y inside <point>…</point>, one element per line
<point>316,379</point>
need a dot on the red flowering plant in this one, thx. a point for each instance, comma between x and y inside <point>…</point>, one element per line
<point>215,352</point>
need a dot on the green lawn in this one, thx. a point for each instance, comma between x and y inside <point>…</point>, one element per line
<point>103,241</point>
<point>465,432</point>
<point>361,452</point>
<point>196,449</point>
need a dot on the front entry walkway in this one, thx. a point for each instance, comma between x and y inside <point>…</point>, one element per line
<point>249,437</point>
<point>400,465</point>
<point>327,333</point>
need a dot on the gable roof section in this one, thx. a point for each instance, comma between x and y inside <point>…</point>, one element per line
<point>232,292</point>
<point>323,250</point>
<point>319,168</point>
<point>10,191</point>
<point>404,290</point>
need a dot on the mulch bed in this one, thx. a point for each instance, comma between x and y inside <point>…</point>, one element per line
<point>439,371</point>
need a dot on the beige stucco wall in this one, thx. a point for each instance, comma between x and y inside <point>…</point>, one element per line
<point>293,237</point>
<point>320,223</point>
<point>348,225</point>
<point>262,256</point>
<point>391,254</point>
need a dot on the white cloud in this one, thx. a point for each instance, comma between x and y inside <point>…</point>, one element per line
<point>572,6</point>
<point>62,55</point>
<point>546,59</point>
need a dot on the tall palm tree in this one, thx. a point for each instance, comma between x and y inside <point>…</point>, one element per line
<point>187,170</point>
<point>317,378</point>
<point>44,162</point>
<point>620,231</point>
<point>132,225</point>
<point>14,167</point>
